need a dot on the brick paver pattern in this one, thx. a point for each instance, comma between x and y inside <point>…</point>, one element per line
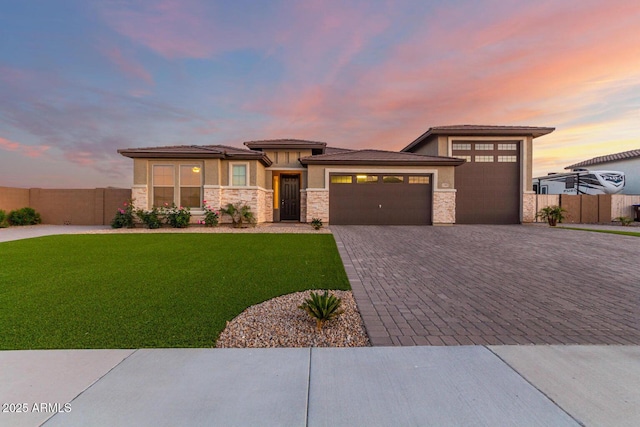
<point>488,285</point>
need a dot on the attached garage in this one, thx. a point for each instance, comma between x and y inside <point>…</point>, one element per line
<point>380,199</point>
<point>493,186</point>
<point>488,184</point>
<point>375,187</point>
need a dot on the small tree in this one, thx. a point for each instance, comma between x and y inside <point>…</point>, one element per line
<point>552,214</point>
<point>240,215</point>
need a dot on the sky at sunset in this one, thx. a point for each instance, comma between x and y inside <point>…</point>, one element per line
<point>80,79</point>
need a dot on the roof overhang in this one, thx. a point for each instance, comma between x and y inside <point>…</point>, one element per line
<point>312,161</point>
<point>285,144</point>
<point>472,130</point>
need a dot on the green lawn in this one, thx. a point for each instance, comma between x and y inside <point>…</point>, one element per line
<point>623,233</point>
<point>150,290</point>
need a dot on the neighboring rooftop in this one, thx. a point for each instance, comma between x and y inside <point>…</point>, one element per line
<point>480,130</point>
<point>380,157</point>
<point>631,154</point>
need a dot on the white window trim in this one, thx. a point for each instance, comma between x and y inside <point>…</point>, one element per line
<point>248,177</point>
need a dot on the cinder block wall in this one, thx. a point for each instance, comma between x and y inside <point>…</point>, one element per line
<point>95,206</point>
<point>13,198</point>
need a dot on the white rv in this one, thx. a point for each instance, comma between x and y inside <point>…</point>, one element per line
<point>580,181</point>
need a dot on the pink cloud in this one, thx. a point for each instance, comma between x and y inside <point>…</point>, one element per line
<point>128,65</point>
<point>27,150</point>
<point>171,28</point>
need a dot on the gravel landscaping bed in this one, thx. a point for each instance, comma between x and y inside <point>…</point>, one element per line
<point>280,323</point>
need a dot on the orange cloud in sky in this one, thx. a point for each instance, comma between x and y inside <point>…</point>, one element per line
<point>27,150</point>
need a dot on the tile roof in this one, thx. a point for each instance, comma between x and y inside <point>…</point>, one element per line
<point>195,151</point>
<point>285,143</point>
<point>480,130</point>
<point>631,154</point>
<point>380,157</point>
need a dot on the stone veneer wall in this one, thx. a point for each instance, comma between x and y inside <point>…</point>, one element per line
<point>444,207</point>
<point>140,196</point>
<point>317,205</point>
<point>303,206</point>
<point>268,205</point>
<point>212,196</point>
<point>529,207</point>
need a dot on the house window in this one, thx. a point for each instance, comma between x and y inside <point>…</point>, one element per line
<point>484,159</point>
<point>163,184</point>
<point>190,186</point>
<point>341,179</point>
<point>419,179</point>
<point>461,146</point>
<point>239,175</point>
<point>366,179</point>
<point>507,159</point>
<point>393,179</point>
<point>509,147</point>
<point>484,147</point>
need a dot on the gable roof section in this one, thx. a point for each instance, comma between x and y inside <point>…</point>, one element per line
<point>380,157</point>
<point>631,154</point>
<point>285,144</point>
<point>479,130</point>
<point>196,152</point>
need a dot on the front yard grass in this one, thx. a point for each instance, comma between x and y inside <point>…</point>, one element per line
<point>150,290</point>
<point>620,232</point>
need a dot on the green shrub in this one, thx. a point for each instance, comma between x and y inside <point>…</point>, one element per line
<point>3,219</point>
<point>240,215</point>
<point>177,217</point>
<point>552,214</point>
<point>211,216</point>
<point>124,217</point>
<point>150,218</point>
<point>24,216</point>
<point>624,220</point>
<point>322,307</point>
<point>316,223</point>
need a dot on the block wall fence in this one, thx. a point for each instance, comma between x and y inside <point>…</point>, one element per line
<point>95,206</point>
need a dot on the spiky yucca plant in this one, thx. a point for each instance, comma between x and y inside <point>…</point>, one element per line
<point>322,307</point>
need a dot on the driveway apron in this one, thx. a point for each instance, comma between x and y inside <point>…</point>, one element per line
<point>491,285</point>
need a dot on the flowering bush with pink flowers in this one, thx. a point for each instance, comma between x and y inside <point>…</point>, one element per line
<point>124,216</point>
<point>177,217</point>
<point>211,216</point>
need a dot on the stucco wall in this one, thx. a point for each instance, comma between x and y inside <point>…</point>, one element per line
<point>286,158</point>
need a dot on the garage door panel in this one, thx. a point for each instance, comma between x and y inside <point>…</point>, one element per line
<point>488,192</point>
<point>380,203</point>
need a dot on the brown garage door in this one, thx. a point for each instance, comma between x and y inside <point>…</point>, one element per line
<point>488,185</point>
<point>380,199</point>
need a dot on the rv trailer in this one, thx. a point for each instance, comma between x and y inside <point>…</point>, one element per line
<point>580,181</point>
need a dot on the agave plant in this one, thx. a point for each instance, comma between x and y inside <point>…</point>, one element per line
<point>322,307</point>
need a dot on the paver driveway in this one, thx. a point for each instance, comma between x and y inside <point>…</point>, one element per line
<point>483,284</point>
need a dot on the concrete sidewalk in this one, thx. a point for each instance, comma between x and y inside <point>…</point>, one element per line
<point>30,231</point>
<point>444,386</point>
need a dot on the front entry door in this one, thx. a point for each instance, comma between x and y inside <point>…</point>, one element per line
<point>290,197</point>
